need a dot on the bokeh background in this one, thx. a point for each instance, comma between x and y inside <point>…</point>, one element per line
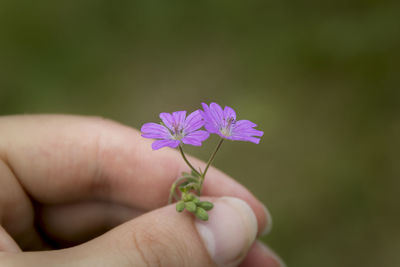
<point>321,78</point>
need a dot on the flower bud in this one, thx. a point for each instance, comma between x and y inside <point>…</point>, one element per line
<point>188,197</point>
<point>180,206</point>
<point>196,200</point>
<point>190,206</point>
<point>206,205</point>
<point>201,214</point>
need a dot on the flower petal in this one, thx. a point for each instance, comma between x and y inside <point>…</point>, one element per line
<point>163,143</point>
<point>179,119</point>
<point>209,123</point>
<point>154,130</point>
<point>167,119</point>
<point>244,124</point>
<point>193,122</point>
<point>210,127</point>
<point>217,113</point>
<point>243,131</point>
<point>229,113</point>
<point>195,138</point>
<point>247,132</point>
<point>245,138</point>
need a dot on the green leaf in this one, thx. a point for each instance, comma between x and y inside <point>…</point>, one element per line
<point>206,205</point>
<point>201,214</point>
<point>180,206</point>
<point>190,206</point>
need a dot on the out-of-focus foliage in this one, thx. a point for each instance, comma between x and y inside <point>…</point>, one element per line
<point>321,78</point>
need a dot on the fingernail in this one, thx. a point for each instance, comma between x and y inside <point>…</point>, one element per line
<point>268,226</point>
<point>230,231</point>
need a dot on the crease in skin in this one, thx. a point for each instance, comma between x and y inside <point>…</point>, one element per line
<point>23,231</point>
<point>7,243</point>
<point>75,223</point>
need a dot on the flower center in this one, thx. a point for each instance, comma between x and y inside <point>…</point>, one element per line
<point>177,133</point>
<point>226,128</point>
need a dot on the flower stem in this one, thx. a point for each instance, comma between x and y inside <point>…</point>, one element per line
<point>210,160</point>
<point>187,161</point>
<point>173,187</point>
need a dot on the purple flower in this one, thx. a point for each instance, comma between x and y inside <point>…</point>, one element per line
<point>176,129</point>
<point>223,122</point>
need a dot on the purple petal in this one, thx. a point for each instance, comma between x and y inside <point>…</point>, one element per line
<point>244,124</point>
<point>208,116</point>
<point>195,138</point>
<point>193,122</point>
<point>208,124</point>
<point>247,132</point>
<point>244,138</point>
<point>163,143</point>
<point>254,132</point>
<point>251,132</point>
<point>217,113</point>
<point>179,118</point>
<point>167,119</point>
<point>154,130</point>
<point>229,113</point>
<point>243,131</point>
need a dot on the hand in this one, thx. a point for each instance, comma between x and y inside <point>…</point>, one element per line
<point>65,181</point>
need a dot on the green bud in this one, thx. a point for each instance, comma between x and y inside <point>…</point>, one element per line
<point>206,205</point>
<point>183,189</point>
<point>196,200</point>
<point>180,206</point>
<point>188,197</point>
<point>190,206</point>
<point>201,214</point>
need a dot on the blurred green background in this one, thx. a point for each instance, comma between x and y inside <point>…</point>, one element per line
<point>321,78</point>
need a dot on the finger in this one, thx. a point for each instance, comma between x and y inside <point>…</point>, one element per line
<point>260,255</point>
<point>61,159</point>
<point>16,213</point>
<point>71,224</point>
<point>7,243</point>
<point>157,237</point>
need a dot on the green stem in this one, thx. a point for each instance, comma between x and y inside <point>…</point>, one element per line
<point>210,160</point>
<point>173,188</point>
<point>187,161</point>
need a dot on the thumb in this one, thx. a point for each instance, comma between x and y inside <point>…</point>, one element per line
<point>161,238</point>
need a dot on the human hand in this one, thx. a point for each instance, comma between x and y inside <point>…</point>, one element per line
<point>66,180</point>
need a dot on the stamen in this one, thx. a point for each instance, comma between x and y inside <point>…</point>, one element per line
<point>227,128</point>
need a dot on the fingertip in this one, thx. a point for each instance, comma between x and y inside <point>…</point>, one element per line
<point>218,184</point>
<point>268,222</point>
<point>229,232</point>
<point>260,255</point>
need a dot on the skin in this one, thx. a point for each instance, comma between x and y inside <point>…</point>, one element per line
<point>65,180</point>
